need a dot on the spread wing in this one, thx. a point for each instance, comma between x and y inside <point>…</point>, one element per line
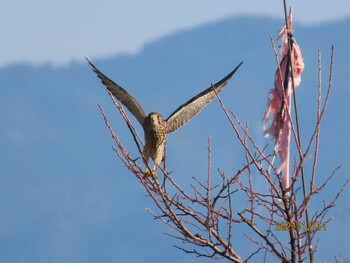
<point>122,95</point>
<point>189,109</point>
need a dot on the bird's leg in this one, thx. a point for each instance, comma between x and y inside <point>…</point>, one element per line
<point>164,158</point>
<point>145,161</point>
<point>146,173</point>
<point>164,166</point>
<point>154,171</point>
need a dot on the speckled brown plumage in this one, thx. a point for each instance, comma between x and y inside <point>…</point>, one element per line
<point>155,139</point>
<point>154,126</point>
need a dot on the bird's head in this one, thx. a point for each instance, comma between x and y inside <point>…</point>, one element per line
<point>155,119</point>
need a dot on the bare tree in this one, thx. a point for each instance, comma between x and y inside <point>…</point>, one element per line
<point>276,219</point>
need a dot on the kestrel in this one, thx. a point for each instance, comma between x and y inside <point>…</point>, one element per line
<point>154,126</point>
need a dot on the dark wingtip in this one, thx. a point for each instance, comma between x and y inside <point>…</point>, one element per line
<point>92,65</point>
<point>88,60</point>
<point>235,69</point>
<point>94,69</point>
<point>229,75</point>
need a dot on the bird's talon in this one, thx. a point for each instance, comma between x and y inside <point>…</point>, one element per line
<point>147,173</point>
<point>153,173</point>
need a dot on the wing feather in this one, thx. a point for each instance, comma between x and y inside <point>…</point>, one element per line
<point>122,95</point>
<point>192,107</point>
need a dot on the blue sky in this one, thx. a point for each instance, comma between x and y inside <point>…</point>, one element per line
<point>58,32</point>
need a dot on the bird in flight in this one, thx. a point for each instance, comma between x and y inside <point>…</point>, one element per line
<point>154,125</point>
